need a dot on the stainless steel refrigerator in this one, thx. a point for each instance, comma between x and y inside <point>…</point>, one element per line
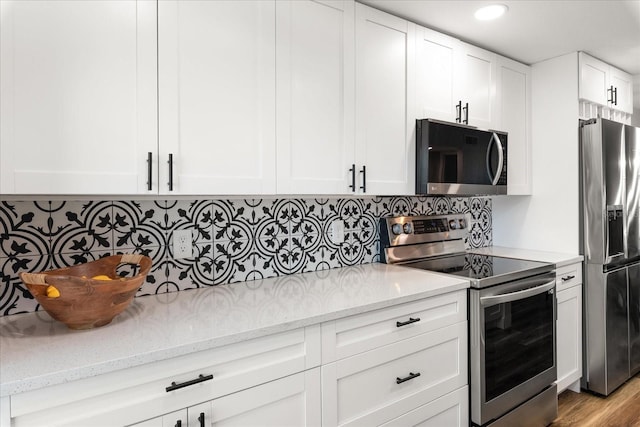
<point>610,240</point>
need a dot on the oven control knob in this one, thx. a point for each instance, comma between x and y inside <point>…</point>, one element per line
<point>396,229</point>
<point>453,224</point>
<point>462,224</point>
<point>408,228</point>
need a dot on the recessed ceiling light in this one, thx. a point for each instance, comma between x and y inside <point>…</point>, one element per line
<point>491,11</point>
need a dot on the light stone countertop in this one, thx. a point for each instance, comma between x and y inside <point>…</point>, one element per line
<point>36,351</point>
<point>557,258</point>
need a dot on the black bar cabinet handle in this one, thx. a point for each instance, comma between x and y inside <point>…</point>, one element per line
<point>170,172</point>
<point>615,96</point>
<point>459,112</point>
<point>149,169</point>
<point>410,377</point>
<point>201,378</point>
<point>567,278</point>
<point>352,169</point>
<point>201,419</point>
<point>466,113</point>
<point>179,423</point>
<point>610,91</point>
<point>363,171</point>
<point>408,322</point>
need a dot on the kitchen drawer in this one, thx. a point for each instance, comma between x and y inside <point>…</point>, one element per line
<point>356,334</point>
<point>568,276</point>
<point>450,410</point>
<point>135,394</point>
<point>367,389</point>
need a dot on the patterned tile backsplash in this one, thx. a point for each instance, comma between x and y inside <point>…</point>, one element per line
<point>234,240</point>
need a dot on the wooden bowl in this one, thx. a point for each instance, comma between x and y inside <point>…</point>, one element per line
<point>85,303</point>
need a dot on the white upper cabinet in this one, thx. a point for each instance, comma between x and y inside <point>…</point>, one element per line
<point>593,79</point>
<point>455,81</point>
<point>605,85</point>
<point>216,83</point>
<point>315,96</point>
<point>513,103</point>
<point>385,109</point>
<point>476,88</point>
<point>435,65</point>
<point>622,84</point>
<point>78,104</point>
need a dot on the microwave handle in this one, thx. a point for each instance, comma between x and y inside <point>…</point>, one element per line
<point>494,179</point>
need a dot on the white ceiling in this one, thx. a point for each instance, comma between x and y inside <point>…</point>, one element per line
<point>535,30</point>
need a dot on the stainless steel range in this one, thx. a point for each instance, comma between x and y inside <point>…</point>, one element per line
<point>512,314</point>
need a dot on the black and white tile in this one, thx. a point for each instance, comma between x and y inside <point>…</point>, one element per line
<point>235,240</point>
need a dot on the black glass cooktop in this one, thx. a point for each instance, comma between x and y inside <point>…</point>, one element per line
<point>483,270</point>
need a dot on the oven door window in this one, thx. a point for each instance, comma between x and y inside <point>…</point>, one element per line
<point>519,342</point>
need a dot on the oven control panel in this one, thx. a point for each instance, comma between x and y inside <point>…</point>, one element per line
<point>408,230</point>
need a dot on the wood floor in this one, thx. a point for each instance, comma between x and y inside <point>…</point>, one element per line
<point>620,409</point>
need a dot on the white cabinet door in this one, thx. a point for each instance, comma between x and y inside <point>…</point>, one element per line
<point>174,419</point>
<point>569,337</point>
<point>315,96</point>
<point>623,86</point>
<point>385,109</point>
<point>475,74</point>
<point>291,401</point>
<point>78,105</point>
<point>593,79</point>
<point>514,105</point>
<point>217,96</point>
<point>435,62</point>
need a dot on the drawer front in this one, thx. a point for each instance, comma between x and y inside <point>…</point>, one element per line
<point>568,276</point>
<point>357,334</point>
<point>290,401</point>
<point>385,383</point>
<point>134,394</point>
<point>451,410</point>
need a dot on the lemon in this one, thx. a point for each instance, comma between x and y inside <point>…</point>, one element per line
<point>101,277</point>
<point>52,292</point>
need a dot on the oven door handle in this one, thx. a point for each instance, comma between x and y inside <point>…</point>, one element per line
<point>517,295</point>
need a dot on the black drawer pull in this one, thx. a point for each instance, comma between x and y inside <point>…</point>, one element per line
<point>567,278</point>
<point>410,377</point>
<point>149,170</point>
<point>178,423</point>
<point>408,322</point>
<point>201,419</point>
<point>170,183</point>
<point>201,378</point>
<point>353,178</point>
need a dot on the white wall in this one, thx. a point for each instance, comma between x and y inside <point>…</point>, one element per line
<point>547,220</point>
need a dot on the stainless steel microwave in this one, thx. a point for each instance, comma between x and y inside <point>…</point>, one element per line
<point>457,159</point>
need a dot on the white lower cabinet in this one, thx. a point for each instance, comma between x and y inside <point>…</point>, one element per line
<point>400,377</point>
<point>401,364</point>
<point>290,401</point>
<point>569,327</point>
<point>263,368</point>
